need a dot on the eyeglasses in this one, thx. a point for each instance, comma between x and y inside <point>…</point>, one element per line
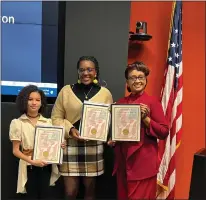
<point>134,78</point>
<point>89,69</point>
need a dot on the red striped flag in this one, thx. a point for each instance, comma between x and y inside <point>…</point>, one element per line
<point>171,99</point>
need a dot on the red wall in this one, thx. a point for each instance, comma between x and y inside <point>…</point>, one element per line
<point>154,52</point>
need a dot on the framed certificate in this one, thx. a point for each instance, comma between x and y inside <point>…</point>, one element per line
<point>47,144</point>
<point>95,121</point>
<point>126,121</point>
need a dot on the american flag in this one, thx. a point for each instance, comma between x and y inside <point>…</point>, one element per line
<point>171,98</point>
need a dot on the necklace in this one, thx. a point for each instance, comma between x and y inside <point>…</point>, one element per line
<point>32,116</point>
<point>86,95</point>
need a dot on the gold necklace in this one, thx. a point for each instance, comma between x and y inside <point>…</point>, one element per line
<point>86,95</point>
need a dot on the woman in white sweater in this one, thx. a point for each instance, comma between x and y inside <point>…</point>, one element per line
<point>34,176</point>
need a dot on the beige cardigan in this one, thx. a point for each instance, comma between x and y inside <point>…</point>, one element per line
<point>67,108</point>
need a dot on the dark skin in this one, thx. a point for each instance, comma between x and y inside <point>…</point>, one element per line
<point>86,75</point>
<point>75,134</point>
<point>144,114</point>
<point>137,83</point>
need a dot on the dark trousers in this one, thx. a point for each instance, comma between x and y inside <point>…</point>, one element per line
<point>37,185</point>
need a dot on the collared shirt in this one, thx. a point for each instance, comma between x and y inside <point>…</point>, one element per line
<point>23,130</point>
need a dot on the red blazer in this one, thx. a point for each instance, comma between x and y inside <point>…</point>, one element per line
<point>140,159</point>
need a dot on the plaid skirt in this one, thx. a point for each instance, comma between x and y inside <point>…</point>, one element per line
<point>82,158</point>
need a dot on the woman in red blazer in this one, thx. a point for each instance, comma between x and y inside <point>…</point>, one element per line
<point>136,163</point>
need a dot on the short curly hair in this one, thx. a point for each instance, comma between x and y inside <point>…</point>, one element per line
<point>139,66</point>
<point>23,97</point>
<point>92,59</point>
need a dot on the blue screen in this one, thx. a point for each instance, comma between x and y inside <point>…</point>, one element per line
<point>24,12</point>
<point>22,49</point>
<point>21,52</point>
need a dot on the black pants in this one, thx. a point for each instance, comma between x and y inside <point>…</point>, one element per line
<point>37,185</point>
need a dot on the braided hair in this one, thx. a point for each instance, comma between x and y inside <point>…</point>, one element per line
<point>92,59</point>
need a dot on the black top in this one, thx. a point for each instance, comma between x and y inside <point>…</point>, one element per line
<point>82,91</point>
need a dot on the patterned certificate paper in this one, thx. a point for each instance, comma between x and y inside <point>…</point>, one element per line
<point>126,120</point>
<point>95,121</point>
<point>47,145</point>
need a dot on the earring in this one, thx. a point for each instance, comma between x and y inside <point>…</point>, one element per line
<point>95,81</point>
<point>78,81</point>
